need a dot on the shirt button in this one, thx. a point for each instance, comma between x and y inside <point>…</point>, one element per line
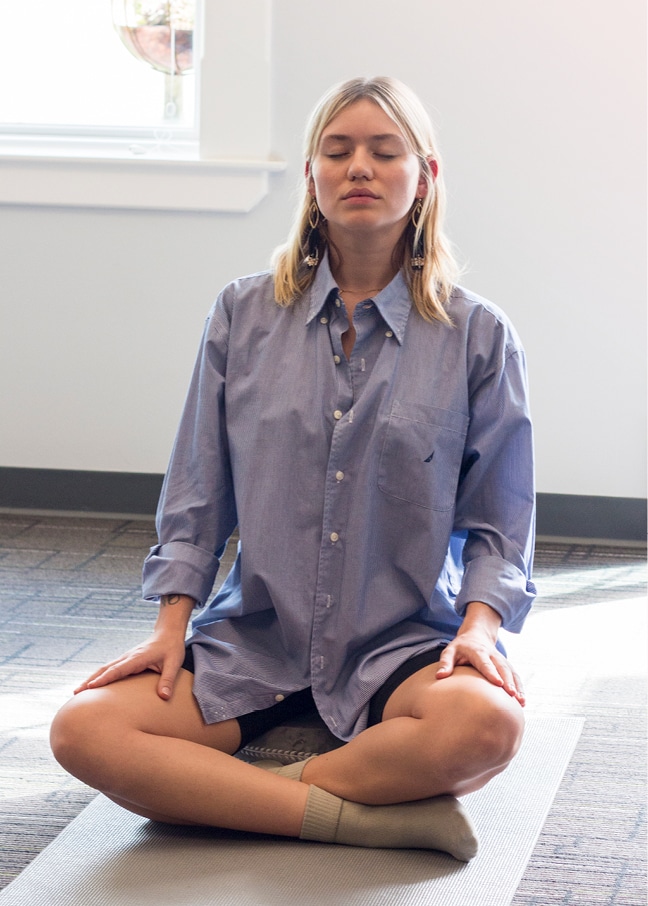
<point>337,414</point>
<point>336,359</point>
<point>323,320</point>
<point>279,698</point>
<point>334,537</point>
<point>389,333</point>
<point>339,475</point>
<point>338,302</point>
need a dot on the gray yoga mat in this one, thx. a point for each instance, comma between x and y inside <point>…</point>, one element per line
<point>109,857</point>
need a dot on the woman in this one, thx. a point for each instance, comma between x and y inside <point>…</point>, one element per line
<point>363,421</point>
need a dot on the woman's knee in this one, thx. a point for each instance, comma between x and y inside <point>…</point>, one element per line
<point>500,728</point>
<point>483,729</point>
<point>95,721</point>
<point>77,737</point>
<point>65,730</point>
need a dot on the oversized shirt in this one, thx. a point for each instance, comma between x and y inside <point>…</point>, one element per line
<point>375,497</point>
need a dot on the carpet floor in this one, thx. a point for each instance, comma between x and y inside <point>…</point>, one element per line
<point>71,601</point>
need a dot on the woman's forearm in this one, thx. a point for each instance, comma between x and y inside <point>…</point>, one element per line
<point>174,614</point>
<point>479,617</point>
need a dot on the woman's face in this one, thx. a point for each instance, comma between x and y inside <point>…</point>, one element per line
<point>364,176</point>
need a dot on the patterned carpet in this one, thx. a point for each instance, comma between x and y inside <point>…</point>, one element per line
<point>71,601</point>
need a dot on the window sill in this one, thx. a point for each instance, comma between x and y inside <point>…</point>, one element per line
<point>136,176</point>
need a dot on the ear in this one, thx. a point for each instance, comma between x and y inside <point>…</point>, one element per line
<point>423,184</point>
<point>310,182</point>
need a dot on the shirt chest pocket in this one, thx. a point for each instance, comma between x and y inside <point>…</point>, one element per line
<point>422,453</point>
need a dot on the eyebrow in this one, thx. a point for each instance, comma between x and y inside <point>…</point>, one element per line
<point>375,138</point>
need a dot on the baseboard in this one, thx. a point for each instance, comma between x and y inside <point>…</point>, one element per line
<point>136,493</point>
<point>580,516</point>
<point>79,491</point>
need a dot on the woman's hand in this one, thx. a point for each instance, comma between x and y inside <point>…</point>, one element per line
<point>474,646</point>
<point>163,652</point>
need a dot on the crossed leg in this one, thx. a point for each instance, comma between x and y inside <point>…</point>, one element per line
<point>448,736</point>
<point>160,760</point>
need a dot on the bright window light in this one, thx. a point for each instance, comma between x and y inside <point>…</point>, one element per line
<point>104,100</point>
<point>71,72</point>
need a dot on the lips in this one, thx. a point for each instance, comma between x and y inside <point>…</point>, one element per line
<point>360,193</point>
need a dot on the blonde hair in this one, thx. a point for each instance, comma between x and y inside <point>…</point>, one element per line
<point>429,286</point>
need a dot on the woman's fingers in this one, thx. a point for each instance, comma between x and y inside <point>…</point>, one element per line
<point>100,672</point>
<point>488,660</point>
<point>110,673</point>
<point>510,679</point>
<point>168,678</point>
<point>132,662</point>
<point>462,654</point>
<point>162,656</point>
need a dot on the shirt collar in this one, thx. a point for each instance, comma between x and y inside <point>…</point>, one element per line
<point>393,302</point>
<point>320,289</point>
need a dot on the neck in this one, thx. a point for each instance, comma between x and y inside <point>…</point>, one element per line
<point>363,271</point>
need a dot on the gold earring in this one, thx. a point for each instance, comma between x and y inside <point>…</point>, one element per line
<point>312,258</point>
<point>417,260</point>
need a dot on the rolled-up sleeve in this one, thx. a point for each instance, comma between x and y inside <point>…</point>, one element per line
<point>196,513</point>
<point>496,496</point>
<point>177,565</point>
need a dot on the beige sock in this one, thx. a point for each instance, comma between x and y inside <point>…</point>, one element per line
<point>438,823</point>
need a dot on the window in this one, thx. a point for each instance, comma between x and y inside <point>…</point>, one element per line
<point>72,74</point>
<point>89,125</point>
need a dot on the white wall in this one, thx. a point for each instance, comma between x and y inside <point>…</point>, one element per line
<point>540,108</point>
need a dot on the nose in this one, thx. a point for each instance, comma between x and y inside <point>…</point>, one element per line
<point>360,165</point>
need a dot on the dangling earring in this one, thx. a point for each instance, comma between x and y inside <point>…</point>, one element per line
<point>418,251</point>
<point>312,258</point>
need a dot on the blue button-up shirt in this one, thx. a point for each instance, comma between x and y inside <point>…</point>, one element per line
<point>375,497</point>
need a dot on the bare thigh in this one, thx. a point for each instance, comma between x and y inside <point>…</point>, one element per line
<point>133,704</point>
<point>422,695</point>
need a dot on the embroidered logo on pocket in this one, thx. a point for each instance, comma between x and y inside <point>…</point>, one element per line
<point>408,470</point>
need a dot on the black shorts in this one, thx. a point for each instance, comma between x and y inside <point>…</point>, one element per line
<point>257,722</point>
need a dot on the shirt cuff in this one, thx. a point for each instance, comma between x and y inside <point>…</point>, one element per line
<point>179,568</point>
<point>499,584</point>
